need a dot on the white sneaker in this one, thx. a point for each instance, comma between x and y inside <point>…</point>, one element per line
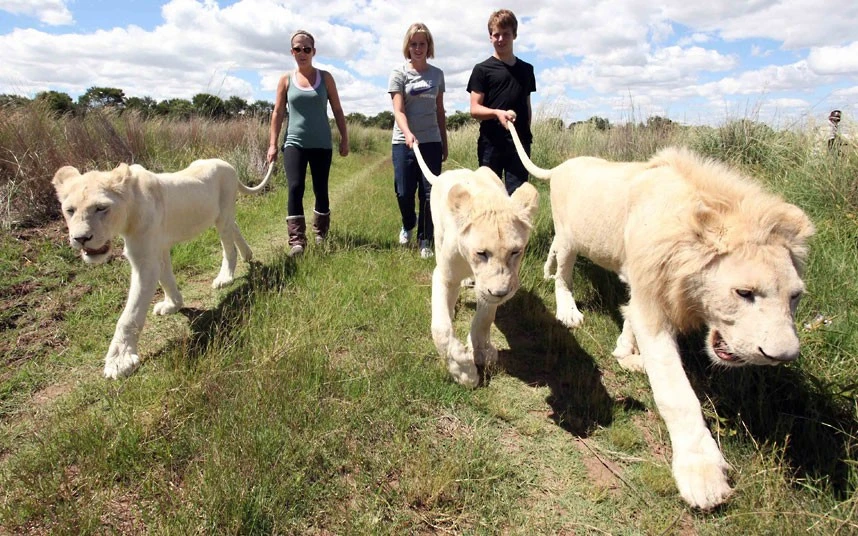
<point>425,250</point>
<point>404,236</point>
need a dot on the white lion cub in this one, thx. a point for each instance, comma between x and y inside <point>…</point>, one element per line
<point>151,212</point>
<point>480,231</point>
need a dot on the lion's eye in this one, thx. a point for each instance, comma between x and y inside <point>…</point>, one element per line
<point>745,293</point>
<point>482,255</point>
<point>515,253</point>
<point>70,211</point>
<point>99,210</point>
<point>795,297</point>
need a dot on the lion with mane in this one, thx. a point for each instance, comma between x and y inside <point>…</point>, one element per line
<point>700,246</point>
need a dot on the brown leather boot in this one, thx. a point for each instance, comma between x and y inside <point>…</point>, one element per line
<point>321,224</point>
<point>297,228</point>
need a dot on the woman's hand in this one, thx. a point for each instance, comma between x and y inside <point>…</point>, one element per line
<point>272,153</point>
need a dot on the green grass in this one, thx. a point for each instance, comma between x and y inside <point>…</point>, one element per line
<point>308,398</point>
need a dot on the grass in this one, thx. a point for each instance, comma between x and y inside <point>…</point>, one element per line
<point>307,398</point>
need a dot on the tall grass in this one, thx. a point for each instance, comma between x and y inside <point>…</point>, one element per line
<point>307,398</point>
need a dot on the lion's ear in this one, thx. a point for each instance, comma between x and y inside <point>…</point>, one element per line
<point>63,174</point>
<point>526,198</point>
<point>460,201</point>
<point>120,174</point>
<point>708,225</point>
<point>791,224</point>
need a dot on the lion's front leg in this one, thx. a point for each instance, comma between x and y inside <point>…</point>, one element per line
<point>626,351</point>
<point>479,338</point>
<point>460,361</point>
<point>567,310</point>
<point>699,467</point>
<point>122,358</point>
<point>172,297</point>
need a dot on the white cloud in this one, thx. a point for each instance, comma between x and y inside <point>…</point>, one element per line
<point>834,60</point>
<point>50,12</point>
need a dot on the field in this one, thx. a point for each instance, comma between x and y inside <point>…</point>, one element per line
<point>308,398</point>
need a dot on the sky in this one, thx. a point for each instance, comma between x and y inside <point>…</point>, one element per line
<point>786,63</point>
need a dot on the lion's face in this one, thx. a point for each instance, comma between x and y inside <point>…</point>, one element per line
<point>93,208</point>
<point>749,299</point>
<point>494,250</point>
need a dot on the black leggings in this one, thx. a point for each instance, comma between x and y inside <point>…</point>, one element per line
<point>295,161</point>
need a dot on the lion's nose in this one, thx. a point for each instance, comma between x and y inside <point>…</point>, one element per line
<point>82,239</point>
<point>782,357</point>
<point>499,292</point>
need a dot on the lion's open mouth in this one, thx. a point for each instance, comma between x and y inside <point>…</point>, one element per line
<point>721,348</point>
<point>100,251</point>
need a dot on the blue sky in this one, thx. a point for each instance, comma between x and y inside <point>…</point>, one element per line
<point>787,63</point>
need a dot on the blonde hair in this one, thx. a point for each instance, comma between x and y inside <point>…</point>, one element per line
<point>503,18</point>
<point>414,29</point>
<point>305,33</point>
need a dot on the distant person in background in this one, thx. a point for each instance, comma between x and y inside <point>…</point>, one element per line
<point>306,91</point>
<point>501,83</point>
<point>417,91</point>
<point>835,140</point>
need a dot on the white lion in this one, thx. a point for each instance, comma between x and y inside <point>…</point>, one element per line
<point>151,212</point>
<point>699,245</point>
<point>480,232</point>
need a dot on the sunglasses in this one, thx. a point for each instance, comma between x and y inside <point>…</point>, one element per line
<point>305,50</point>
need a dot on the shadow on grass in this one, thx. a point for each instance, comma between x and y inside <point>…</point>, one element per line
<point>208,325</point>
<point>542,351</point>
<point>787,408</point>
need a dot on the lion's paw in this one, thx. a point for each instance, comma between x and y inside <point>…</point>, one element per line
<point>702,479</point>
<point>222,280</point>
<point>627,355</point>
<point>166,307</point>
<point>486,355</point>
<point>461,366</point>
<point>571,318</point>
<point>120,362</point>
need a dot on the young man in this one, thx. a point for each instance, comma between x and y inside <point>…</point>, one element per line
<point>498,84</point>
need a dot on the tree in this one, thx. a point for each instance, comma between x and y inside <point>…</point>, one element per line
<point>56,101</point>
<point>180,108</point>
<point>384,120</point>
<point>261,109</point>
<point>209,105</point>
<point>459,119</point>
<point>145,106</point>
<point>357,118</point>
<point>12,101</point>
<point>235,106</point>
<point>102,97</point>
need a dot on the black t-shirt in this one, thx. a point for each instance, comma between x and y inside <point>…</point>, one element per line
<point>504,87</point>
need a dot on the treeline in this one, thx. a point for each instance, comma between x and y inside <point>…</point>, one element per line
<point>202,105</point>
<point>103,98</point>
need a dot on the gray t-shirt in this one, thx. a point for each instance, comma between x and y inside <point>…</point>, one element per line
<point>420,91</point>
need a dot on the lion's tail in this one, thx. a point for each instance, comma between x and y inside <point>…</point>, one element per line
<point>531,168</point>
<point>423,167</point>
<point>259,187</point>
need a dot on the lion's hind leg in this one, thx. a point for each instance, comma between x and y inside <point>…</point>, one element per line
<point>228,231</point>
<point>172,301</point>
<point>549,269</point>
<point>243,248</point>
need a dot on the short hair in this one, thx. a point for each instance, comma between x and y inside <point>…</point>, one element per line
<point>834,113</point>
<point>305,33</point>
<point>503,18</point>
<point>414,29</point>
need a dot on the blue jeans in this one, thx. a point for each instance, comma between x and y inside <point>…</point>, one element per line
<point>504,161</point>
<point>408,180</point>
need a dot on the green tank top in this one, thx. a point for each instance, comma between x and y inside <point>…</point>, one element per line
<point>308,125</point>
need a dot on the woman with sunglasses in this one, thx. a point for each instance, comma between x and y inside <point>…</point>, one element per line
<point>306,92</point>
<point>417,91</point>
